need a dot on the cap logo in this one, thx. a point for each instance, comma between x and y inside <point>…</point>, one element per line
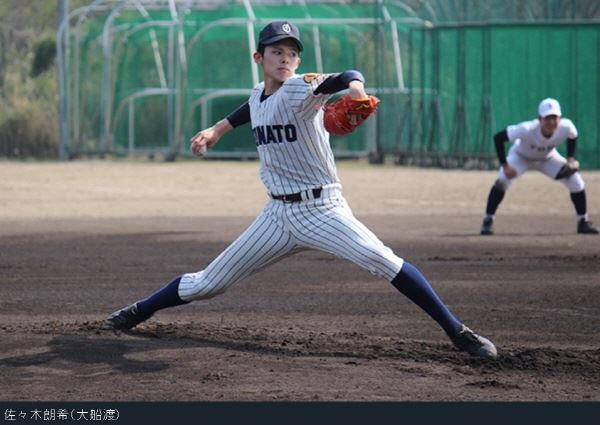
<point>286,28</point>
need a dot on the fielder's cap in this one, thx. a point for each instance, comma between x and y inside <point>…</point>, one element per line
<point>279,30</point>
<point>549,106</point>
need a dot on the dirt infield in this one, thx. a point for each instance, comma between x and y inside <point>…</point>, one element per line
<point>78,240</point>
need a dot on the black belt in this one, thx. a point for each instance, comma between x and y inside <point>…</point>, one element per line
<point>297,197</point>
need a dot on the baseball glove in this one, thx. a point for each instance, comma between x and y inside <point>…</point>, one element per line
<point>567,170</point>
<point>345,114</point>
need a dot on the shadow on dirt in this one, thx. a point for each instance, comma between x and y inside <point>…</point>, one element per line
<point>81,349</point>
<point>117,349</point>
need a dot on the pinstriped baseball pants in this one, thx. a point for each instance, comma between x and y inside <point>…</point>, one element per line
<point>326,224</point>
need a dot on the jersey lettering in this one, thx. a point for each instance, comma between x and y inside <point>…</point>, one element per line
<point>267,134</point>
<point>293,147</point>
<point>541,149</point>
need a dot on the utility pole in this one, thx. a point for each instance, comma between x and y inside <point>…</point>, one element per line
<point>63,13</point>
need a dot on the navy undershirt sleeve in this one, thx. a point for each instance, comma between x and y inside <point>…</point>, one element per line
<point>499,139</point>
<point>240,116</point>
<point>339,82</point>
<point>571,147</point>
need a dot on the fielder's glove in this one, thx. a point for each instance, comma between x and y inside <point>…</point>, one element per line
<point>345,114</point>
<point>568,169</point>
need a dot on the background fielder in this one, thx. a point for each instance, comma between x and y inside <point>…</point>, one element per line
<point>534,148</point>
<point>307,209</point>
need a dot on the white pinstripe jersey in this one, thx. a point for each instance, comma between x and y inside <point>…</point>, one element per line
<point>291,140</point>
<point>295,156</point>
<point>532,144</point>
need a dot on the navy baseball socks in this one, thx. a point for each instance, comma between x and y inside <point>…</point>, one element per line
<point>134,314</point>
<point>494,198</point>
<point>584,226</point>
<point>411,282</point>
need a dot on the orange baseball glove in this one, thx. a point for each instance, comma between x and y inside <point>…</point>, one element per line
<point>345,114</point>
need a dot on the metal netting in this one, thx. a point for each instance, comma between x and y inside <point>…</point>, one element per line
<point>467,82</point>
<point>142,76</point>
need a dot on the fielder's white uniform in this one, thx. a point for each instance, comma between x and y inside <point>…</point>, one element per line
<point>532,150</point>
<point>295,157</point>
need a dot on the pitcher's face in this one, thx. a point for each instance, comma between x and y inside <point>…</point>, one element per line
<point>280,60</point>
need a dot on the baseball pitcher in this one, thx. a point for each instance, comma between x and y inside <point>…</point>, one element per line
<point>306,209</point>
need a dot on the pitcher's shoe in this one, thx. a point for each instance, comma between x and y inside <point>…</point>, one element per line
<point>586,227</point>
<point>487,227</point>
<point>123,319</point>
<point>466,340</point>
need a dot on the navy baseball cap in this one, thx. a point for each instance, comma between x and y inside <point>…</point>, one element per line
<point>279,30</point>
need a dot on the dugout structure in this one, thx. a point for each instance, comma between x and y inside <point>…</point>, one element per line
<point>143,76</point>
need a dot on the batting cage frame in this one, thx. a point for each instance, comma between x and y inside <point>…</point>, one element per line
<point>140,77</point>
